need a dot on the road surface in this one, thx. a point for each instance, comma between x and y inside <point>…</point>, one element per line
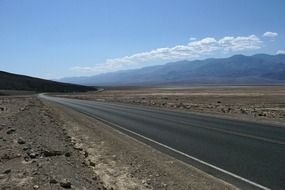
<point>247,154</point>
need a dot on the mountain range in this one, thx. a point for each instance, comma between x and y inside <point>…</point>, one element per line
<point>237,69</point>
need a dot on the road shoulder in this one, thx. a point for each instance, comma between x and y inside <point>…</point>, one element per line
<point>36,152</point>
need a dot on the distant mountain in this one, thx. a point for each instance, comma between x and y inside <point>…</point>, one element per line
<point>9,81</point>
<point>238,69</point>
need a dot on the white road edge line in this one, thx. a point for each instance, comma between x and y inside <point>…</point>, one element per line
<point>188,156</point>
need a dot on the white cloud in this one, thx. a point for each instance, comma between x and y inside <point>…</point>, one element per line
<point>240,43</point>
<point>192,39</point>
<point>280,52</point>
<point>270,35</point>
<point>193,49</point>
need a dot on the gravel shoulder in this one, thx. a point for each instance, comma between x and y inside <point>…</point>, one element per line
<point>36,152</point>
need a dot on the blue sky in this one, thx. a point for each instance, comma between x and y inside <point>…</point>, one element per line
<point>60,38</point>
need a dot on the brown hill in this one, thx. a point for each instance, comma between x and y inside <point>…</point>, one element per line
<point>9,81</point>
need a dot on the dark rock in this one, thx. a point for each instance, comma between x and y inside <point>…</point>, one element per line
<point>65,184</point>
<point>10,131</point>
<point>39,165</point>
<point>91,163</point>
<point>67,154</point>
<point>78,148</point>
<point>262,114</point>
<point>53,181</point>
<point>49,153</point>
<point>85,163</point>
<point>26,158</point>
<point>5,157</point>
<point>33,155</point>
<point>35,173</point>
<point>21,141</point>
<point>26,148</point>
<point>243,111</point>
<point>7,171</point>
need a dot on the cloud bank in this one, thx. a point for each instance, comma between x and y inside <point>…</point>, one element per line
<point>194,49</point>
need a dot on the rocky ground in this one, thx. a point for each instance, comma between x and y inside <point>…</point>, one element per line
<point>260,103</point>
<point>46,146</point>
<point>36,152</point>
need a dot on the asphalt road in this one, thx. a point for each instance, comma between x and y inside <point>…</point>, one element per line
<point>247,154</point>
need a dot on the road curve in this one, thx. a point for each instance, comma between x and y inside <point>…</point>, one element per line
<point>247,154</point>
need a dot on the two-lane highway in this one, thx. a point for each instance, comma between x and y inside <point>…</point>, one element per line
<point>250,155</point>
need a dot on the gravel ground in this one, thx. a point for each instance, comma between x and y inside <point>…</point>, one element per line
<point>36,152</point>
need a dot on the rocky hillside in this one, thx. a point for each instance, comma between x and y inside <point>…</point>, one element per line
<point>9,81</point>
